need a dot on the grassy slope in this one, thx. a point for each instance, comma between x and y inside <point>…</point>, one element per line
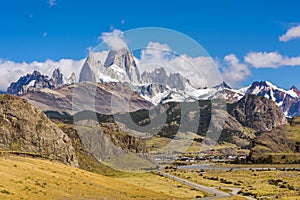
<point>28,178</point>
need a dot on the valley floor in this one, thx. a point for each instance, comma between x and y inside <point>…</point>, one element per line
<point>258,181</point>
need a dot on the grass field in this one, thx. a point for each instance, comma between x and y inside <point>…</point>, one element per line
<point>163,185</point>
<point>33,178</point>
<point>259,184</point>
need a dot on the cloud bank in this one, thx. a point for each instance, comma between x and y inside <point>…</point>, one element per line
<point>270,60</point>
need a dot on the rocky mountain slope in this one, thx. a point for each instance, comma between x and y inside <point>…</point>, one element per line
<point>258,113</point>
<point>105,142</point>
<point>88,96</point>
<point>25,128</point>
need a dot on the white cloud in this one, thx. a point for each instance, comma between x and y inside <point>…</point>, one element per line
<point>270,60</point>
<point>201,71</point>
<point>52,3</point>
<point>292,33</point>
<point>115,39</point>
<point>12,71</point>
<point>233,71</point>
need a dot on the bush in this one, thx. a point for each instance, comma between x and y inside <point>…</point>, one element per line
<point>291,187</point>
<point>5,192</point>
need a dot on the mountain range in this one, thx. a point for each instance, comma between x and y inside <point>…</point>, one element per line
<point>112,88</point>
<point>155,87</point>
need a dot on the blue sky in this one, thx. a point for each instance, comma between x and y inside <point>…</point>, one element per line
<point>37,30</point>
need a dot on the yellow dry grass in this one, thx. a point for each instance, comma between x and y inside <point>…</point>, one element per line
<point>32,178</point>
<point>259,184</point>
<point>163,185</point>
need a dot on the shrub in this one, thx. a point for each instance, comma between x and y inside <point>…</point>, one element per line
<point>5,192</point>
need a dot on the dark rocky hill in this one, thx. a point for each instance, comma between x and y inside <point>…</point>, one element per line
<point>258,113</point>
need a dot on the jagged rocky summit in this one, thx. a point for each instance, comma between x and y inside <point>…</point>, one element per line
<point>36,81</point>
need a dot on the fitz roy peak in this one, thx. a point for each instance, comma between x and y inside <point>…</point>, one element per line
<point>119,66</point>
<point>123,59</point>
<point>155,86</point>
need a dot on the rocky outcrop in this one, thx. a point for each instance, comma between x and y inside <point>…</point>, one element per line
<point>24,128</point>
<point>258,113</point>
<point>296,90</point>
<point>159,76</point>
<point>152,90</point>
<point>71,80</point>
<point>295,109</point>
<point>57,77</point>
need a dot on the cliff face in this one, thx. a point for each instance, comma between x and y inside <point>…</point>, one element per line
<point>25,128</point>
<point>258,113</point>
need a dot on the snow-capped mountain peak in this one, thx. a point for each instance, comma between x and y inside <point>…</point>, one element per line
<point>37,81</point>
<point>269,90</point>
<point>123,60</point>
<point>118,66</point>
<point>283,98</point>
